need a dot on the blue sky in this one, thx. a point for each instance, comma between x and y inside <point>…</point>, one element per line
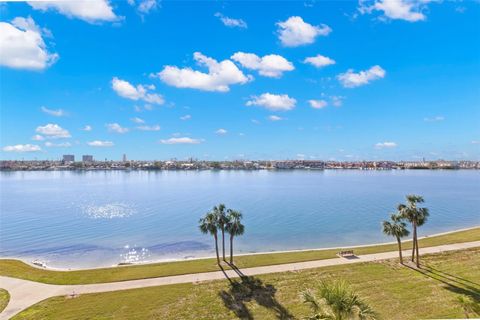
<point>380,79</point>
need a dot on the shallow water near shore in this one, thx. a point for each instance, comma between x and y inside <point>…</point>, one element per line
<point>101,218</point>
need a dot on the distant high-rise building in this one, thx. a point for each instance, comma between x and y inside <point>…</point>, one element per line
<point>124,158</point>
<point>68,158</point>
<point>87,158</point>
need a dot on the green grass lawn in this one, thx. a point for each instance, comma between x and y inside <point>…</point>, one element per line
<point>395,292</point>
<point>4,298</point>
<point>18,269</point>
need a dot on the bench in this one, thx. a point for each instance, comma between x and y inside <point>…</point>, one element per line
<point>347,253</point>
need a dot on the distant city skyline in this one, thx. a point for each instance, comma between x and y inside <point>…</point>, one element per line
<point>344,81</point>
<point>87,163</point>
<point>124,158</point>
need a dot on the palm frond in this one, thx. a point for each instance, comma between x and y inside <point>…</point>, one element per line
<point>234,225</point>
<point>337,300</point>
<point>308,297</point>
<point>365,312</point>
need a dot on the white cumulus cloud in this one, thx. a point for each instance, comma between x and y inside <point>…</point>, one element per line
<point>100,143</point>
<point>137,120</point>
<point>274,118</point>
<point>38,137</point>
<point>221,131</point>
<point>140,92</point>
<point>87,128</point>
<point>319,61</point>
<point>180,140</point>
<point>87,10</point>
<point>275,102</point>
<point>434,119</point>
<point>115,127</point>
<point>52,112</point>
<point>318,104</point>
<point>22,45</point>
<point>145,6</point>
<point>295,32</point>
<point>186,117</point>
<point>149,128</point>
<point>271,65</point>
<point>53,131</point>
<point>350,79</point>
<point>58,145</point>
<point>386,144</point>
<point>408,10</point>
<point>22,148</point>
<point>231,22</point>
<point>219,77</point>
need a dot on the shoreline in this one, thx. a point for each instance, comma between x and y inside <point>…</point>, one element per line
<point>30,263</point>
<point>237,169</point>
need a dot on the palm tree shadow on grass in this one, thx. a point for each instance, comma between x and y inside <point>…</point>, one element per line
<point>457,285</point>
<point>248,289</point>
<point>451,276</point>
<point>236,269</point>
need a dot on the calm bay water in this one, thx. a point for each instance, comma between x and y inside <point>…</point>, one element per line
<point>100,218</point>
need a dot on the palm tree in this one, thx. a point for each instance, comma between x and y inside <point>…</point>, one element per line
<point>208,225</point>
<point>222,221</point>
<point>417,217</point>
<point>398,229</point>
<point>337,301</point>
<point>234,227</point>
<point>403,211</point>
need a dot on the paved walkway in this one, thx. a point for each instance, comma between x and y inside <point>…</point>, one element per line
<point>25,293</point>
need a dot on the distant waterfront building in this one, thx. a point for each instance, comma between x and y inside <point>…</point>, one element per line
<point>68,158</point>
<point>124,158</point>
<point>87,158</point>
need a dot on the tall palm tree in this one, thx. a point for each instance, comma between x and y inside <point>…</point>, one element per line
<point>337,301</point>
<point>234,227</point>
<point>417,217</point>
<point>398,229</point>
<point>222,221</point>
<point>208,225</point>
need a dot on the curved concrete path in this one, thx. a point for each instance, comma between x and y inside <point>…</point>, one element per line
<point>25,293</point>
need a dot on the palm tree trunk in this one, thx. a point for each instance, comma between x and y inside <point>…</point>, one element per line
<point>231,249</point>
<point>414,227</point>
<point>223,243</point>
<point>216,248</point>
<point>418,256</point>
<point>400,249</point>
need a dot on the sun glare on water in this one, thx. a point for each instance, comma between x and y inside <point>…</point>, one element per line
<point>108,211</point>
